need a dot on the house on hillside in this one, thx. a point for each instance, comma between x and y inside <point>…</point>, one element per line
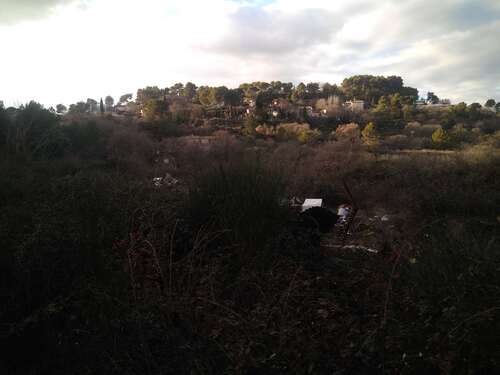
<point>313,112</point>
<point>279,108</point>
<point>426,104</point>
<point>281,104</point>
<point>249,102</point>
<point>420,103</point>
<point>442,104</point>
<point>355,105</point>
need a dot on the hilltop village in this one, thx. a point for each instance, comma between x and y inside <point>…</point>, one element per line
<point>398,117</point>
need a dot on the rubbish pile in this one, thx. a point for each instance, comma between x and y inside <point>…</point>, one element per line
<point>346,227</point>
<point>168,181</point>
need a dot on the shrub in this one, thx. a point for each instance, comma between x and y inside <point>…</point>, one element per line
<point>399,142</point>
<point>58,278</point>
<point>426,130</point>
<point>348,132</point>
<point>251,123</point>
<point>242,197</point>
<point>453,286</point>
<point>412,127</point>
<point>441,138</point>
<point>369,135</point>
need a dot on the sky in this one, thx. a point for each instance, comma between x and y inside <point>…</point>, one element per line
<point>63,51</point>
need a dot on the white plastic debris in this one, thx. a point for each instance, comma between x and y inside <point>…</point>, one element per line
<point>343,211</point>
<point>168,180</point>
<point>359,247</point>
<point>157,181</point>
<point>310,203</point>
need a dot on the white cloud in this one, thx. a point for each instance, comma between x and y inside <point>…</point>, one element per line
<point>116,46</point>
<point>14,11</point>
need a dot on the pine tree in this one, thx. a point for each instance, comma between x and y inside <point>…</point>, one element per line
<point>369,135</point>
<point>101,107</point>
<point>490,103</point>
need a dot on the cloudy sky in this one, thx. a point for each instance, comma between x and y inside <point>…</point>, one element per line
<point>62,51</point>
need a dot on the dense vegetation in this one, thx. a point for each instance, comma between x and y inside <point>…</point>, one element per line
<point>103,271</point>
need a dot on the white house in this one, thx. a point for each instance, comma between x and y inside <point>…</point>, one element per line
<point>356,105</point>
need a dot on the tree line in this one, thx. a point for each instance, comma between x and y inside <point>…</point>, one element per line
<point>362,87</point>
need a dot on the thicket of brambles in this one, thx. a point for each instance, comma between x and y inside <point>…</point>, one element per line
<point>102,271</point>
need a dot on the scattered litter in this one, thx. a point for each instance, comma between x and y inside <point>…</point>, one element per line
<point>157,181</point>
<point>343,210</point>
<point>168,180</point>
<point>292,202</point>
<point>351,247</point>
<point>384,218</point>
<point>310,203</point>
<point>360,247</point>
<point>295,202</point>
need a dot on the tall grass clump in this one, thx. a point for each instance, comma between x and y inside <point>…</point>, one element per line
<point>241,197</point>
